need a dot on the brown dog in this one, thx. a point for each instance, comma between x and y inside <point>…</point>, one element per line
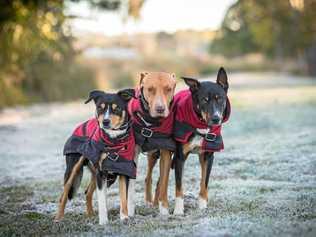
<point>152,114</point>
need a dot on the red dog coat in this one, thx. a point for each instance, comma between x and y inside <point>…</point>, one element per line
<point>187,121</point>
<point>89,140</point>
<point>151,133</point>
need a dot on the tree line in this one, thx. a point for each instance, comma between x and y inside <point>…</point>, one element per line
<point>279,29</point>
<point>37,58</point>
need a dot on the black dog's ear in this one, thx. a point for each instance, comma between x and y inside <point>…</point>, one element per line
<point>194,84</point>
<point>126,94</point>
<point>94,95</point>
<point>222,79</point>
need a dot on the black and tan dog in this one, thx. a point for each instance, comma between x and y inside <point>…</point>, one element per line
<point>153,116</point>
<point>200,111</point>
<point>106,145</point>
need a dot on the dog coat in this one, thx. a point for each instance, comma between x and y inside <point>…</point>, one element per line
<point>187,122</point>
<point>89,140</point>
<point>150,133</point>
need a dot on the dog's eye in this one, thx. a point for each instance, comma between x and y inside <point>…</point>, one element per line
<point>205,99</point>
<point>151,89</point>
<point>168,89</point>
<point>117,110</point>
<point>100,109</point>
<point>218,98</point>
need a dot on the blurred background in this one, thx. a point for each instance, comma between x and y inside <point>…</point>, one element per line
<point>59,50</point>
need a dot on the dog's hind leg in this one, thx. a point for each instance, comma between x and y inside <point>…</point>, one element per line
<point>131,188</point>
<point>152,160</point>
<point>179,160</point>
<point>206,161</point>
<point>89,195</point>
<point>67,187</point>
<point>123,180</point>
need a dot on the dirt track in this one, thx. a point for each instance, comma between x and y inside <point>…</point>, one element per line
<point>263,184</point>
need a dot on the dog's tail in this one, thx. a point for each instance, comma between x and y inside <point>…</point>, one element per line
<point>71,161</point>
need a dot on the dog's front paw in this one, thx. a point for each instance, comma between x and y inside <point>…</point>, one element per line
<point>90,214</point>
<point>179,207</point>
<point>163,210</point>
<point>124,218</point>
<point>58,218</point>
<point>103,221</point>
<point>131,210</point>
<point>202,203</point>
<point>149,204</point>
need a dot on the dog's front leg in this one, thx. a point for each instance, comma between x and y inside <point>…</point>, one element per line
<point>206,161</point>
<point>152,160</point>
<point>102,196</point>
<point>131,188</point>
<point>123,184</point>
<point>179,160</point>
<point>165,165</point>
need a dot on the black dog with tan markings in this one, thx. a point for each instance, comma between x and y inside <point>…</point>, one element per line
<point>200,112</point>
<point>106,145</point>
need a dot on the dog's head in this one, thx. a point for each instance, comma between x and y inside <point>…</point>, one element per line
<point>209,98</point>
<point>157,90</point>
<point>111,109</point>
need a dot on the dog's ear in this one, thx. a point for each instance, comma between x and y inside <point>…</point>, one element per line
<point>173,75</point>
<point>94,95</point>
<point>194,84</point>
<point>222,79</point>
<point>126,94</point>
<point>142,76</point>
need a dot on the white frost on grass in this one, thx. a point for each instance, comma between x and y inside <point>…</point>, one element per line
<point>262,184</point>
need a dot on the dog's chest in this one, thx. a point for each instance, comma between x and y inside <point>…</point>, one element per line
<point>195,143</point>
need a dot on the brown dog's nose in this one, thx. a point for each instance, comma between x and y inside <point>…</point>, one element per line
<point>160,109</point>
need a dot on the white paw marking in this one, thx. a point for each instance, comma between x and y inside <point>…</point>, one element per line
<point>123,217</point>
<point>131,199</point>
<point>202,203</point>
<point>163,211</point>
<point>103,212</point>
<point>149,204</point>
<point>179,206</point>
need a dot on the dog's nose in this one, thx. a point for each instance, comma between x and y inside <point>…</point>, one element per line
<point>106,123</point>
<point>160,109</point>
<point>216,120</point>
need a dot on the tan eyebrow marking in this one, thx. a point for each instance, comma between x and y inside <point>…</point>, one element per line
<point>114,106</point>
<point>102,105</point>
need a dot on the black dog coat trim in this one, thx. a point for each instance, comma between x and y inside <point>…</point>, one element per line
<point>89,140</point>
<point>150,133</point>
<point>187,122</point>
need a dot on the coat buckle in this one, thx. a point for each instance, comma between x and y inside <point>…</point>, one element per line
<point>113,156</point>
<point>210,137</point>
<point>146,132</point>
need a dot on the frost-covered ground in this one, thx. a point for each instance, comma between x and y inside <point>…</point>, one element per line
<point>263,184</point>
